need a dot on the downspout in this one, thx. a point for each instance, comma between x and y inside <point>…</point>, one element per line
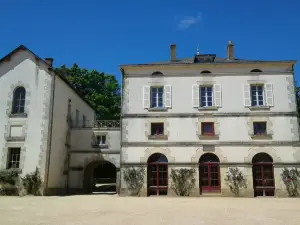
<point>48,151</point>
<point>121,128</point>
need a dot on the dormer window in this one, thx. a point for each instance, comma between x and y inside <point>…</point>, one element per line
<point>256,71</point>
<point>157,73</point>
<point>205,71</point>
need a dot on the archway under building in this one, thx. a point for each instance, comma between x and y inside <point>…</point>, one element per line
<point>100,177</point>
<point>263,175</point>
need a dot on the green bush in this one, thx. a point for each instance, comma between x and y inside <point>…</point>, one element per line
<point>183,181</point>
<point>10,182</point>
<point>291,179</point>
<point>33,183</point>
<point>134,178</point>
<point>236,180</point>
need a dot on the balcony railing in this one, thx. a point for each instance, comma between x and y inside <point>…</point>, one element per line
<point>102,124</point>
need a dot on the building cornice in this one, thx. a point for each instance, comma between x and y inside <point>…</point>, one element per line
<point>208,114</point>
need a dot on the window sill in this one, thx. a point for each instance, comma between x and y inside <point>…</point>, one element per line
<point>208,108</point>
<point>157,109</point>
<point>99,146</point>
<point>19,171</point>
<point>12,139</point>
<point>208,137</point>
<point>259,107</point>
<point>262,137</point>
<point>17,115</point>
<point>158,137</point>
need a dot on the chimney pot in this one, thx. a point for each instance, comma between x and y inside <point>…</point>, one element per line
<point>49,61</point>
<point>173,52</point>
<point>230,51</point>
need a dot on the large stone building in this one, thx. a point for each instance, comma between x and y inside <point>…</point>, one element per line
<point>203,112</point>
<point>210,113</point>
<point>45,123</point>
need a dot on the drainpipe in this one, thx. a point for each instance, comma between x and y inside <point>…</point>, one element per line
<point>121,132</point>
<point>50,126</point>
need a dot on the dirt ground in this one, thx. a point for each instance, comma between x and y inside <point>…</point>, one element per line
<point>115,210</point>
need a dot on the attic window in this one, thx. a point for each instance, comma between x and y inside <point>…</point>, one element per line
<point>256,71</point>
<point>205,71</point>
<point>157,73</point>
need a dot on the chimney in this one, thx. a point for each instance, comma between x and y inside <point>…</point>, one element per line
<point>230,51</point>
<point>49,61</point>
<point>173,52</point>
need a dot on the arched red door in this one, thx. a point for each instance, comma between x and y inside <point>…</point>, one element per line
<point>263,175</point>
<point>157,174</point>
<point>209,171</point>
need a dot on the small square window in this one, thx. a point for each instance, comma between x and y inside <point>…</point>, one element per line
<point>157,95</point>
<point>257,95</point>
<point>260,128</point>
<point>13,158</point>
<point>206,96</point>
<point>101,140</point>
<point>207,128</point>
<point>157,129</point>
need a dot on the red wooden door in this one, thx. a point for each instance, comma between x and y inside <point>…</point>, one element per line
<point>157,179</point>
<point>210,177</point>
<point>263,179</point>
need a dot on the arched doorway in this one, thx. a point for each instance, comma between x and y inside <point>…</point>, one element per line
<point>263,175</point>
<point>100,177</point>
<point>157,175</point>
<point>209,171</point>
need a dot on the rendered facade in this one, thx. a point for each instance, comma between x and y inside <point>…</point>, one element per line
<point>210,113</point>
<point>203,112</point>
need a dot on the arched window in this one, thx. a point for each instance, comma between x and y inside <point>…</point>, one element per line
<point>209,172</point>
<point>157,73</point>
<point>19,100</point>
<point>205,71</point>
<point>256,71</point>
<point>263,175</point>
<point>157,175</point>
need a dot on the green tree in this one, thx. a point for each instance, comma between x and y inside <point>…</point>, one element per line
<point>101,90</point>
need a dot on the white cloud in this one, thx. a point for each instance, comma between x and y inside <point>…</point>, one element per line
<point>189,21</point>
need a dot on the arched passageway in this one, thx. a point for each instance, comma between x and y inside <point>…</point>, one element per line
<point>100,177</point>
<point>209,172</point>
<point>263,175</point>
<point>157,175</point>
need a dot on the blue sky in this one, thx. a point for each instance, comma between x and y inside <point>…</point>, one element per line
<point>101,36</point>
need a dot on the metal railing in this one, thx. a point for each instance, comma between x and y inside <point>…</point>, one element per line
<point>102,124</point>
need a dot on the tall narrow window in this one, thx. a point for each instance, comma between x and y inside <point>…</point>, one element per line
<point>77,118</point>
<point>206,96</point>
<point>157,97</point>
<point>257,95</point>
<point>13,158</point>
<point>19,100</point>
<point>83,120</point>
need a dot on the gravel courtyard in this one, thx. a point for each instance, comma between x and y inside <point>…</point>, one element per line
<point>114,210</point>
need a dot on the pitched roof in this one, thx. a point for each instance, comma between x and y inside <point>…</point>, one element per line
<point>22,48</point>
<point>216,60</point>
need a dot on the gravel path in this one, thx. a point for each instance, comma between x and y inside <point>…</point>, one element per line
<point>115,210</point>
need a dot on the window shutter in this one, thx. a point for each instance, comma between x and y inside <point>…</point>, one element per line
<point>218,95</point>
<point>168,96</point>
<point>247,96</point>
<point>269,94</point>
<point>195,95</point>
<point>146,97</point>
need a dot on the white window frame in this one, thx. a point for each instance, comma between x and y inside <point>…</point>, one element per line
<point>157,97</point>
<point>101,140</point>
<point>206,96</point>
<point>256,94</point>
